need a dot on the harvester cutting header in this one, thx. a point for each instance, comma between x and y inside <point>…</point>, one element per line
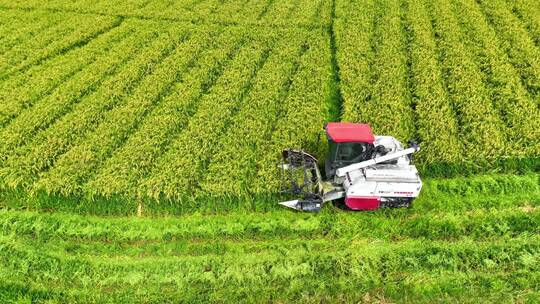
<point>368,171</point>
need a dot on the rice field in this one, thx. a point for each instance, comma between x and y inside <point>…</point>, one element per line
<point>139,143</point>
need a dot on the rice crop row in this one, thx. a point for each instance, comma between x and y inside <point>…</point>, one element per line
<point>133,161</point>
<point>61,100</point>
<point>258,12</point>
<point>517,42</point>
<point>139,143</point>
<point>458,76</point>
<point>92,121</point>
<point>75,166</point>
<point>25,162</point>
<point>21,90</point>
<point>72,30</point>
<point>527,11</point>
<point>82,127</point>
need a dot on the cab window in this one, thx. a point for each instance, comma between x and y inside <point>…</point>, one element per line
<point>351,152</point>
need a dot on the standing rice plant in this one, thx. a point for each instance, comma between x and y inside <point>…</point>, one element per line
<point>517,42</point>
<point>480,126</point>
<point>23,90</point>
<point>122,172</point>
<point>511,99</point>
<point>301,120</point>
<point>74,31</point>
<point>437,126</point>
<point>383,91</point>
<point>78,164</point>
<point>192,149</point>
<point>251,127</point>
<point>23,164</point>
<point>61,100</point>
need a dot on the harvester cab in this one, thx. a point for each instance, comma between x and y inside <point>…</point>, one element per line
<point>365,170</point>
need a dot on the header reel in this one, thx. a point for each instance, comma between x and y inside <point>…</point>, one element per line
<point>300,177</point>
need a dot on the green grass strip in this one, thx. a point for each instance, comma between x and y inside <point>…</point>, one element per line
<point>410,270</point>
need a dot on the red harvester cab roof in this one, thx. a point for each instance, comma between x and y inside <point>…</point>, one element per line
<point>349,132</point>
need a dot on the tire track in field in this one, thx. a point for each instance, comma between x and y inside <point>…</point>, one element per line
<point>335,111</point>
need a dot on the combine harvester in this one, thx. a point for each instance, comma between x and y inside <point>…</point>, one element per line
<point>368,171</point>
